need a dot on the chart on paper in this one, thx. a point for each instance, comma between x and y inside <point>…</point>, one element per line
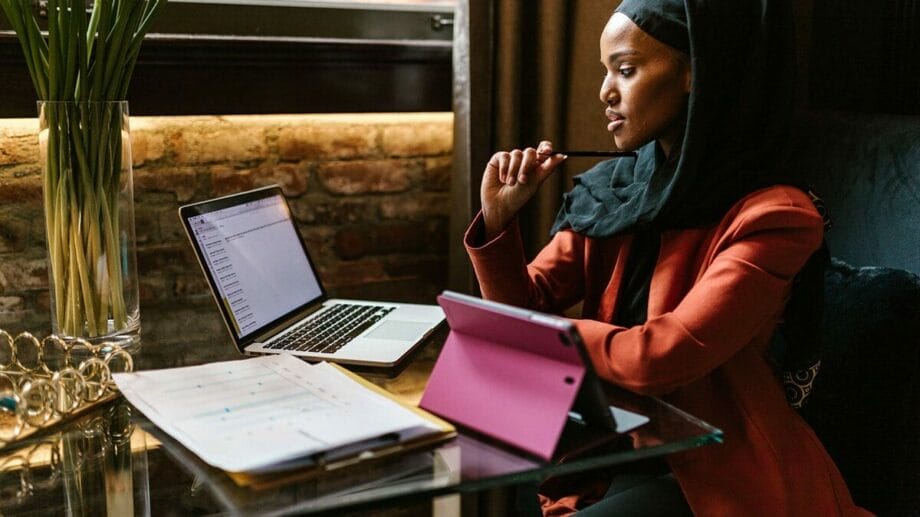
<point>241,415</point>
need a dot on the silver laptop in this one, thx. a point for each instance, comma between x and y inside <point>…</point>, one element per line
<point>271,298</point>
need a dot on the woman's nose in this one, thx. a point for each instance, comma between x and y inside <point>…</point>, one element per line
<point>608,93</point>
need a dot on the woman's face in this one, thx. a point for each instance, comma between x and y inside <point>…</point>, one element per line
<point>645,88</point>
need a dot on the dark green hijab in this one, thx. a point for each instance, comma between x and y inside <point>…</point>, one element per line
<point>741,101</point>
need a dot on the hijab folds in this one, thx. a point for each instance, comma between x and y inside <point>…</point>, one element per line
<point>742,60</point>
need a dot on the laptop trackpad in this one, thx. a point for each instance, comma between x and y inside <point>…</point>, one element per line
<point>399,330</point>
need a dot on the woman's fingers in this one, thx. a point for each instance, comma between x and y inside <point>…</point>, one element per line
<point>552,162</point>
<point>545,148</point>
<point>545,152</point>
<point>502,160</point>
<point>511,178</point>
<point>547,166</point>
<point>523,165</point>
<point>528,161</point>
<point>514,166</point>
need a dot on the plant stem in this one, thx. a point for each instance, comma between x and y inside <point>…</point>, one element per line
<point>83,58</point>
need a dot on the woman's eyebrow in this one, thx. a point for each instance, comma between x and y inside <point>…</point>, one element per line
<point>616,56</point>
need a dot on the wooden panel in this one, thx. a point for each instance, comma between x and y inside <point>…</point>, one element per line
<point>207,75</point>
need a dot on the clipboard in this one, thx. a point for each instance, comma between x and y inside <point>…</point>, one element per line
<point>269,419</point>
<point>361,454</point>
<point>515,375</point>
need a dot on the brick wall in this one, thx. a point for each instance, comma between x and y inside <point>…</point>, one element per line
<point>369,192</point>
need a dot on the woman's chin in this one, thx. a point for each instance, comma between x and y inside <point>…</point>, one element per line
<point>628,145</point>
<point>624,145</point>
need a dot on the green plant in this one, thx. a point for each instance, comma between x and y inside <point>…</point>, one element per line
<point>81,64</point>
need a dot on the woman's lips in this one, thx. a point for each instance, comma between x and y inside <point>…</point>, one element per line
<point>616,120</point>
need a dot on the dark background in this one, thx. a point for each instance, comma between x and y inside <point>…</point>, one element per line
<point>230,59</point>
<point>214,59</point>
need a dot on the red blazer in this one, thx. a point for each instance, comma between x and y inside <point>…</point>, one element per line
<point>716,296</point>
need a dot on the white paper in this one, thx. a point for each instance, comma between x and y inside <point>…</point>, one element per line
<point>247,415</point>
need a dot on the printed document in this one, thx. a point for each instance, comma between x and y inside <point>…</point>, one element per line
<point>255,414</point>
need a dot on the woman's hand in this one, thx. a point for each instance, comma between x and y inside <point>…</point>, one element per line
<point>510,180</point>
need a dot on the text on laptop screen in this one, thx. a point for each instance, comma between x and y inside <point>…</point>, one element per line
<point>256,259</point>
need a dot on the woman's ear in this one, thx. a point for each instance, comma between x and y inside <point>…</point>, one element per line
<point>687,77</point>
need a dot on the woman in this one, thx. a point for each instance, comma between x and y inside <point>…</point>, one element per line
<point>684,256</point>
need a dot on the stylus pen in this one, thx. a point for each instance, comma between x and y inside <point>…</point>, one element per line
<point>595,153</point>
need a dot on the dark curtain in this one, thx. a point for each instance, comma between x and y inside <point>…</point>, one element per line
<point>524,72</point>
<point>531,57</point>
<point>865,56</point>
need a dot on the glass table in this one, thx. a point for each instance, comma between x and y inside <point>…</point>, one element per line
<point>113,460</point>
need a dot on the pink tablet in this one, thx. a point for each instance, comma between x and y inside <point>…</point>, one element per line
<point>513,374</point>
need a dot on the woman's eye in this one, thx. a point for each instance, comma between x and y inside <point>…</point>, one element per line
<point>626,71</point>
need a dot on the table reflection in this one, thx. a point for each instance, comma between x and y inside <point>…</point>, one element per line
<point>95,465</point>
<point>113,461</point>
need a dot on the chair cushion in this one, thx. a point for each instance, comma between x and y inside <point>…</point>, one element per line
<point>866,167</point>
<point>865,406</point>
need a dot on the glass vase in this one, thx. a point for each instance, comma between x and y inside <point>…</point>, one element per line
<point>88,200</point>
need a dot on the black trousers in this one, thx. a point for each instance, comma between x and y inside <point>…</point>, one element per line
<point>644,488</point>
<point>641,494</point>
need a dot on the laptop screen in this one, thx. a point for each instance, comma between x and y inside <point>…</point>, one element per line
<point>256,261</point>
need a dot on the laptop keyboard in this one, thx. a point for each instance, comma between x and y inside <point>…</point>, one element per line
<point>331,329</point>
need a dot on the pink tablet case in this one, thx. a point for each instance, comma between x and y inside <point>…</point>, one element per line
<point>509,376</point>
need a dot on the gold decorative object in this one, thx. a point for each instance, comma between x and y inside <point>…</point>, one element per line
<point>47,381</point>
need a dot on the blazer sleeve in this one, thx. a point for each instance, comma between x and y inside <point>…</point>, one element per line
<point>552,282</point>
<point>742,290</point>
